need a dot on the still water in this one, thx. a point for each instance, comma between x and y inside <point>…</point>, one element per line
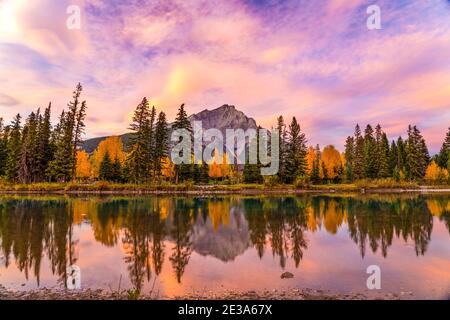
<point>174,245</point>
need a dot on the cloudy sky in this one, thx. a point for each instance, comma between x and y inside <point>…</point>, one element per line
<point>315,60</point>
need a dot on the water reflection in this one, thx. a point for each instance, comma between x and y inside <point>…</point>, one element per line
<point>149,229</point>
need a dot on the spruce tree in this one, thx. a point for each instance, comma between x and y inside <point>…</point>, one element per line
<point>417,157</point>
<point>252,172</point>
<point>161,144</point>
<point>401,155</point>
<point>3,146</point>
<point>14,147</point>
<point>44,148</point>
<point>281,128</point>
<point>183,171</point>
<point>28,153</point>
<point>116,168</point>
<point>444,154</point>
<point>393,158</point>
<point>138,158</point>
<point>370,164</point>
<point>296,152</point>
<point>358,160</point>
<point>106,168</point>
<point>349,158</point>
<point>315,173</point>
<point>383,157</point>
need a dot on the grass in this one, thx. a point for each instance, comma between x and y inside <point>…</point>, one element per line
<point>103,186</point>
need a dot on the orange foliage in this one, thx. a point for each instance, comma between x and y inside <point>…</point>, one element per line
<point>435,173</point>
<point>112,145</point>
<point>168,168</point>
<point>219,170</point>
<point>83,165</point>
<point>332,160</point>
<point>310,156</point>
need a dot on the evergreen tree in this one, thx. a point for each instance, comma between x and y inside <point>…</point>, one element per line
<point>370,164</point>
<point>252,172</point>
<point>444,154</point>
<point>138,158</point>
<point>393,158</point>
<point>315,172</point>
<point>151,140</point>
<point>161,144</point>
<point>358,160</point>
<point>296,152</point>
<point>44,149</point>
<point>383,157</point>
<point>349,158</point>
<point>14,147</point>
<point>60,168</point>
<point>182,171</point>
<point>417,157</point>
<point>116,174</point>
<point>28,159</point>
<point>3,147</point>
<point>324,171</point>
<point>401,155</point>
<point>281,128</point>
<point>106,171</point>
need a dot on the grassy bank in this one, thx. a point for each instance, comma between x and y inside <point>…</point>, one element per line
<point>106,187</point>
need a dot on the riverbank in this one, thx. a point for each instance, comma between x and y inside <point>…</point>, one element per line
<point>288,294</point>
<point>218,189</point>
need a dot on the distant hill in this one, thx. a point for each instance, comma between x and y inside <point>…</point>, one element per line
<point>222,118</point>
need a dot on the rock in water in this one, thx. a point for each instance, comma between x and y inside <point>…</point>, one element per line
<point>287,275</point>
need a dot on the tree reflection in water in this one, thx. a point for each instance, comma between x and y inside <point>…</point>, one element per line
<point>151,228</point>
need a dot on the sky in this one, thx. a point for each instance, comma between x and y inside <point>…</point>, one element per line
<point>315,60</point>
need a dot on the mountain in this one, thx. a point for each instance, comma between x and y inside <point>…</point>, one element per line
<point>222,118</point>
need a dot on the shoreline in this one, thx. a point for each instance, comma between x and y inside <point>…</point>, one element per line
<point>224,191</point>
<point>275,294</point>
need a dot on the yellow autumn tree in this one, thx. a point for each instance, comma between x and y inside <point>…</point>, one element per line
<point>436,174</point>
<point>332,161</point>
<point>114,147</point>
<point>168,169</point>
<point>310,156</point>
<point>83,165</point>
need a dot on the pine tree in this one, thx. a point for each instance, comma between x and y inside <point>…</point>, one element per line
<point>324,171</point>
<point>349,158</point>
<point>3,147</point>
<point>444,154</point>
<point>182,171</point>
<point>150,134</point>
<point>401,152</point>
<point>14,147</point>
<point>161,144</point>
<point>106,168</point>
<point>315,172</point>
<point>417,157</point>
<point>28,153</point>
<point>370,165</point>
<point>296,152</point>
<point>252,172</point>
<point>44,149</point>
<point>60,168</point>
<point>358,160</point>
<point>116,171</point>
<point>138,158</point>
<point>393,158</point>
<point>281,128</point>
<point>383,157</point>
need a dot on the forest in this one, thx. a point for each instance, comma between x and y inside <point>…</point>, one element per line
<point>33,150</point>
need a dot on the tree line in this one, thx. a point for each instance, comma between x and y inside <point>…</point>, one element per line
<point>38,152</point>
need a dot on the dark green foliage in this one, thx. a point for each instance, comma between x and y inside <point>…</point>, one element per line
<point>161,148</point>
<point>358,158</point>
<point>281,128</point>
<point>183,171</point>
<point>295,153</point>
<point>349,158</point>
<point>370,161</point>
<point>315,172</point>
<point>139,157</point>
<point>106,170</point>
<point>443,157</point>
<point>417,156</point>
<point>4,132</point>
<point>14,147</point>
